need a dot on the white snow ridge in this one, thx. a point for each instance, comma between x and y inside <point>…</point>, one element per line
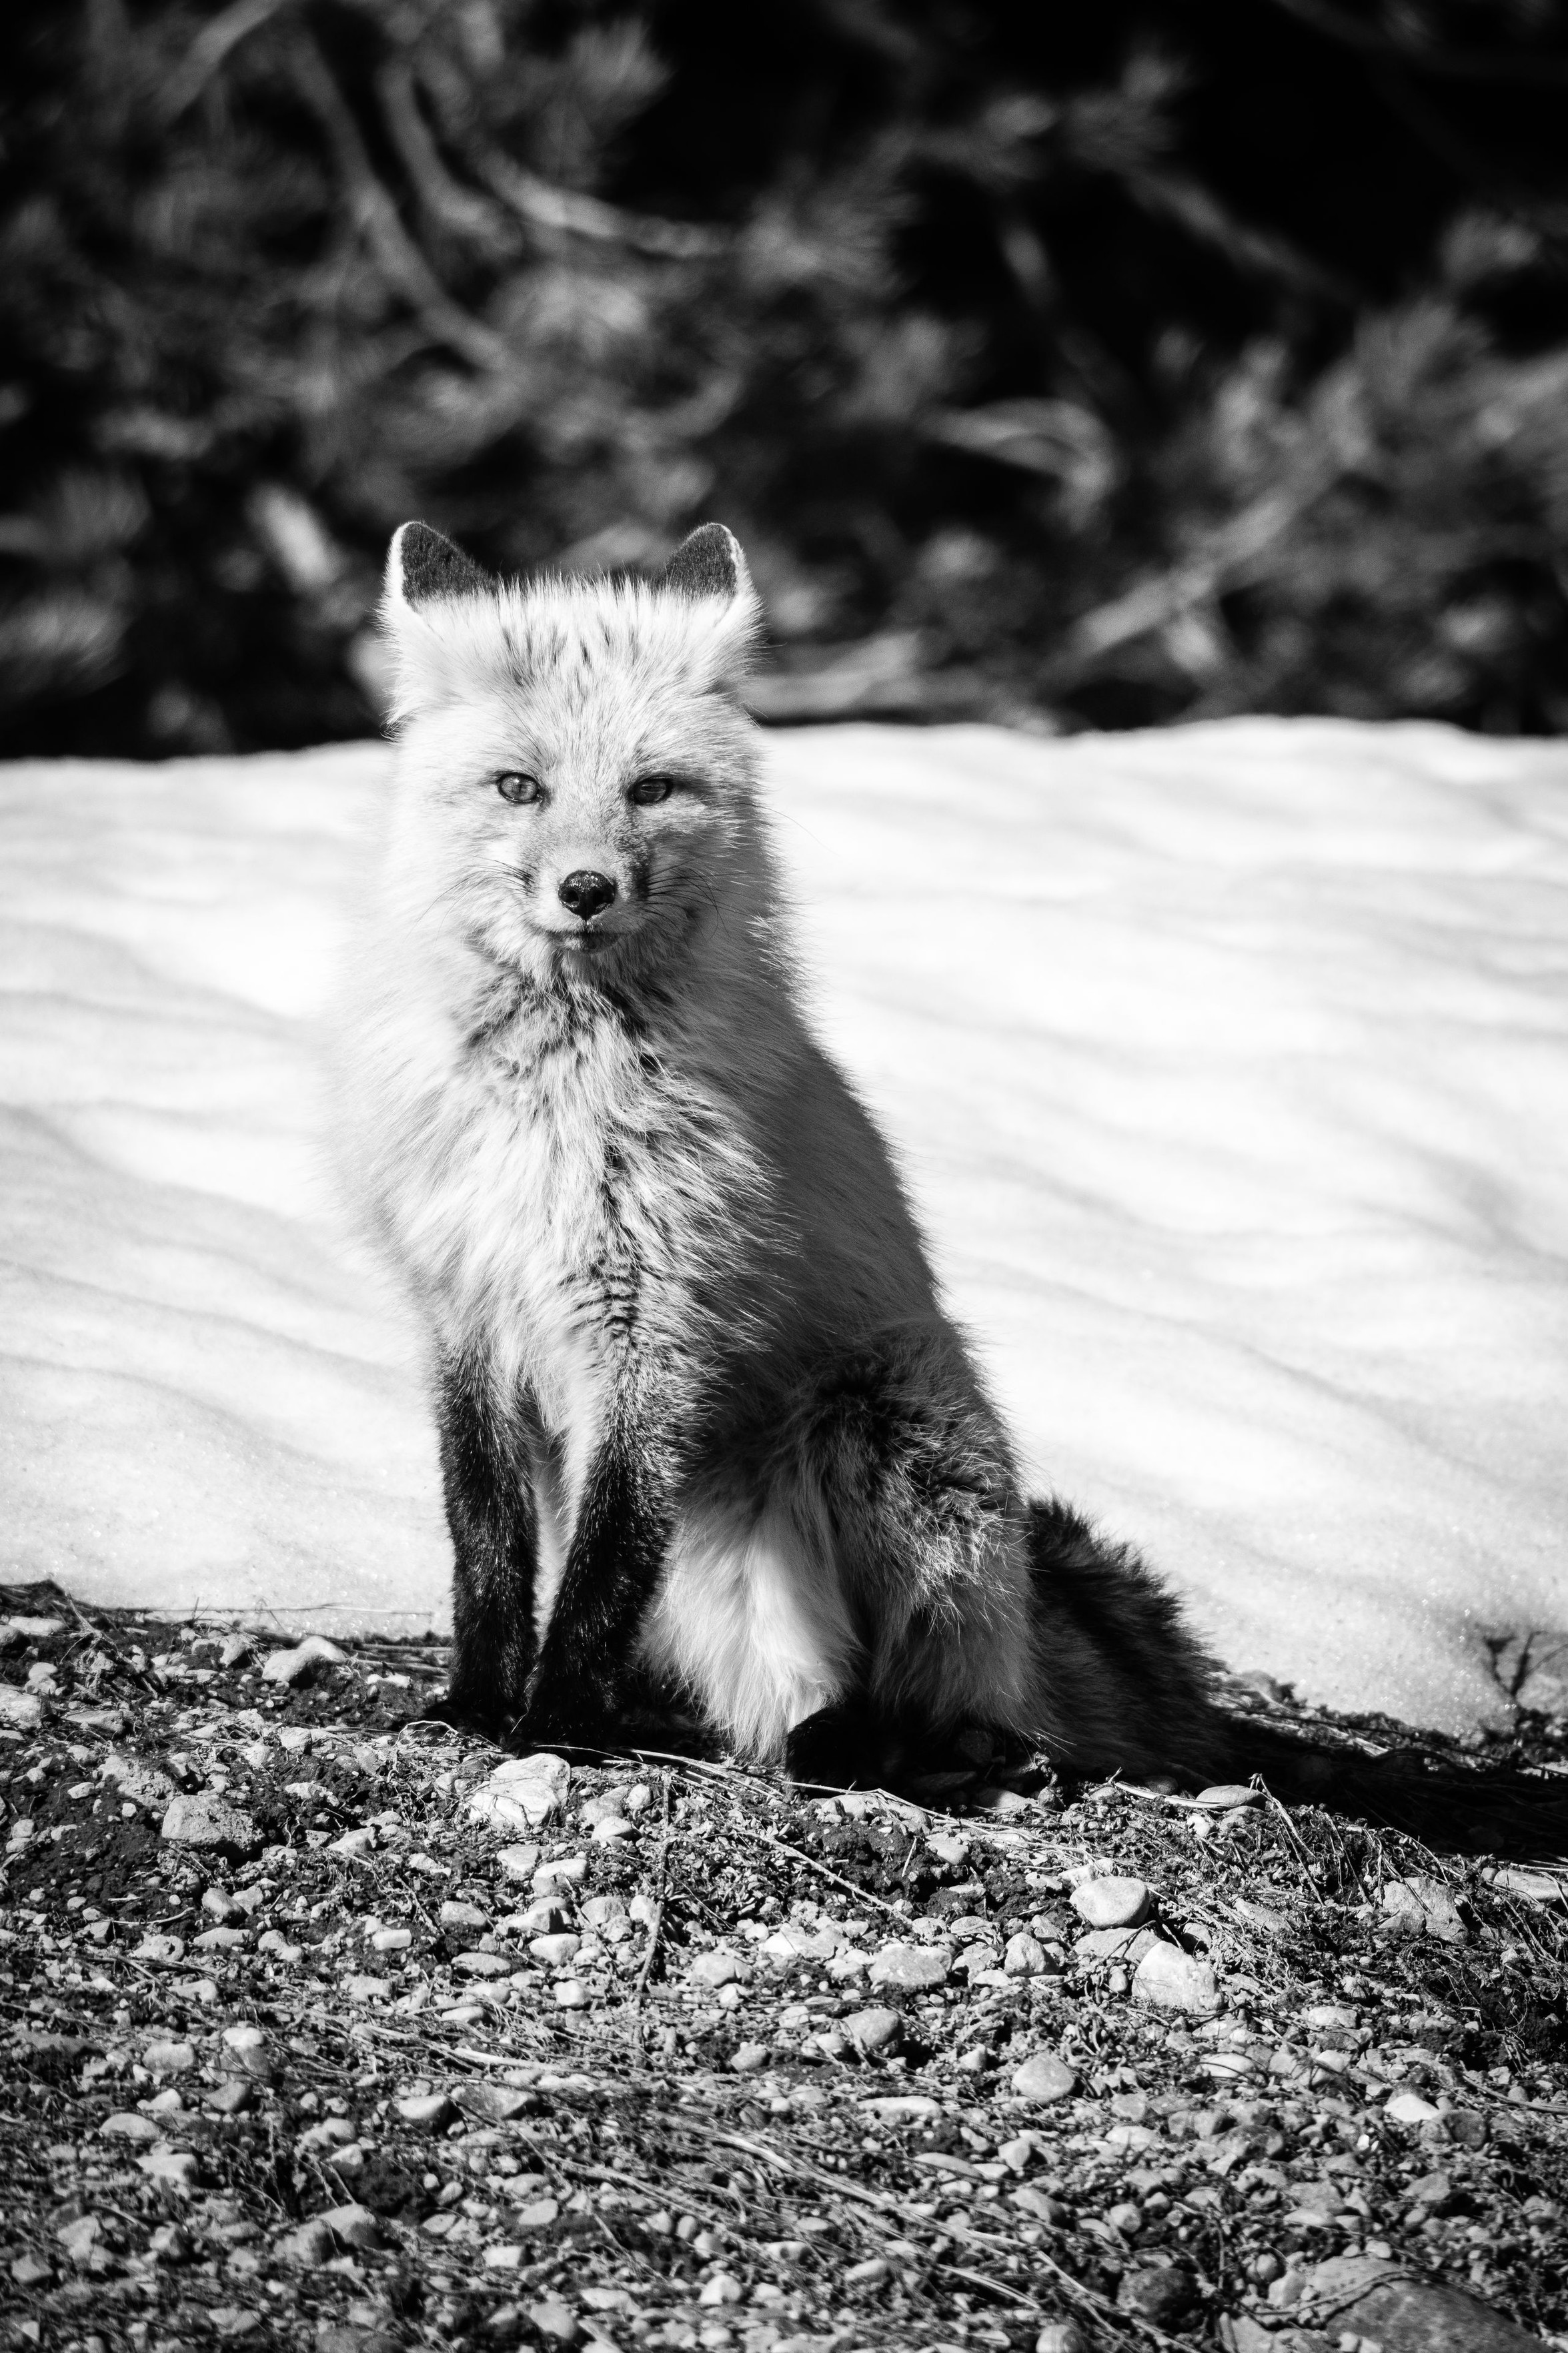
<point>1228,1065</point>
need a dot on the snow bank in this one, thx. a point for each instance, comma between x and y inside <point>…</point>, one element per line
<point>1227,1066</point>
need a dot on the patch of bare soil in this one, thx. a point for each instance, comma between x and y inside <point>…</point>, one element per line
<point>319,2029</point>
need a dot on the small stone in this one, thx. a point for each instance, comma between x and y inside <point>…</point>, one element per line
<point>234,2320</point>
<point>1422,1906</point>
<point>1531,1886</point>
<point>30,2270</point>
<point>159,1952</point>
<point>1163,2296</point>
<point>748,2058</point>
<point>426,2112</point>
<point>506,2257</point>
<point>715,1968</point>
<point>1382,2301</point>
<point>1110,1903</point>
<point>873,2029</point>
<point>231,2099</point>
<point>352,2225</point>
<point>1226,1796</point>
<point>311,2244</point>
<point>870,2273</point>
<point>1043,2078</point>
<point>571,1993</point>
<point>564,1872</point>
<point>1061,2336</point>
<point>482,1965</point>
<point>221,1940</point>
<point>235,1651</point>
<point>1172,1980</point>
<point>722,2289</point>
<point>79,2238</point>
<point>555,1951</point>
<point>1410,2108</point>
<point>173,2169</point>
<point>246,2048</point>
<point>301,1663</point>
<point>518,1863</point>
<point>554,2320</point>
<point>209,1821</point>
<point>20,1711</point>
<point>1434,2190</point>
<point>273,1941</point>
<point>391,1940</point>
<point>1112,1945</point>
<point>1024,1957</point>
<point>912,1966</point>
<point>169,2058</point>
<point>142,1783</point>
<point>455,1914</point>
<point>126,2126</point>
<point>496,2103</point>
<point>361,1840</point>
<point>609,1828</point>
<point>359,1987</point>
<point>523,1791</point>
<point>898,2106</point>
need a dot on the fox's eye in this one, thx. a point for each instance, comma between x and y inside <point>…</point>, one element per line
<point>647,791</point>
<point>520,789</point>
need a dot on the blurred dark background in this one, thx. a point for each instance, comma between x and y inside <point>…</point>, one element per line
<point>1062,366</point>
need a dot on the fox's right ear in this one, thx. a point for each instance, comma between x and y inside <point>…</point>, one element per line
<point>421,568</point>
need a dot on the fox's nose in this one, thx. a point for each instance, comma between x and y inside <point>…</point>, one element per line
<point>586,892</point>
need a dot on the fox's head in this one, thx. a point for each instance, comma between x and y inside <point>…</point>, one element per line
<point>576,787</point>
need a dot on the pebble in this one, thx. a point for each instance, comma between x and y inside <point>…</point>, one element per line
<point>174,2169</point>
<point>1111,1903</point>
<point>722,2289</point>
<point>900,2105</point>
<point>1422,1906</point>
<point>571,1993</point>
<point>1163,2296</point>
<point>1224,1797</point>
<point>565,1870</point>
<point>1025,1956</point>
<point>169,2058</point>
<point>426,2111</point>
<point>518,1863</point>
<point>912,1966</point>
<point>352,2225</point>
<point>231,2099</point>
<point>1061,2336</point>
<point>556,2321</point>
<point>20,1711</point>
<point>455,1914</point>
<point>482,1965</point>
<point>142,1783</point>
<point>124,2125</point>
<point>749,2058</point>
<point>1113,1945</point>
<point>246,2048</point>
<point>235,1651</point>
<point>872,2029</point>
<point>1533,1887</point>
<point>1172,1980</point>
<point>208,1821</point>
<point>717,1968</point>
<point>555,1951</point>
<point>79,2238</point>
<point>30,2270</point>
<point>523,1792</point>
<point>1044,2077</point>
<point>1381,2300</point>
<point>362,1987</point>
<point>391,1940</point>
<point>159,1952</point>
<point>273,1941</point>
<point>311,2244</point>
<point>610,1828</point>
<point>1410,2108</point>
<point>300,1664</point>
<point>221,1939</point>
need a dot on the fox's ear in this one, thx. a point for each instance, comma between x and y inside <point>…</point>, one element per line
<point>708,564</point>
<point>422,566</point>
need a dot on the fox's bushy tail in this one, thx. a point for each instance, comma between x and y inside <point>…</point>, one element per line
<point>1128,1689</point>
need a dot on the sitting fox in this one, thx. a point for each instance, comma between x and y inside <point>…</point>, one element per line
<point>701,1406</point>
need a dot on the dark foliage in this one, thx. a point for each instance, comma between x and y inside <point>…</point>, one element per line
<point>1111,365</point>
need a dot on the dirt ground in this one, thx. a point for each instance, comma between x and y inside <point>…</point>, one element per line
<point>319,2030</point>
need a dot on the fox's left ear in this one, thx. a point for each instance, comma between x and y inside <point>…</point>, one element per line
<point>422,567</point>
<point>708,564</point>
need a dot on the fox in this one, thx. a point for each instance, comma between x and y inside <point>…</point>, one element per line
<point>703,1414</point>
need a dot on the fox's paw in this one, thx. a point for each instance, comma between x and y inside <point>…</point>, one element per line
<point>563,1718</point>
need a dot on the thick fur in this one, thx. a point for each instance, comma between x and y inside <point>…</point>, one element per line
<point>700,1405</point>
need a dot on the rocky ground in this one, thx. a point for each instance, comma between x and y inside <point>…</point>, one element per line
<point>326,2025</point>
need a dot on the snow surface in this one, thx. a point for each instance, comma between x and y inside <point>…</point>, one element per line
<point>1226,1064</point>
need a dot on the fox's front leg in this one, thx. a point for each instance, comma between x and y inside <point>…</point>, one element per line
<point>490,1513</point>
<point>617,1553</point>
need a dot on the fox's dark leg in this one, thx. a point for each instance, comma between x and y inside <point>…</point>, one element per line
<point>611,1567</point>
<point>491,1513</point>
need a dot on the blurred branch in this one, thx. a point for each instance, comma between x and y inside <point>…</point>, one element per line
<point>466,215</point>
<point>210,47</point>
<point>1450,65</point>
<point>401,263</point>
<point>1259,252</point>
<point>563,210</point>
